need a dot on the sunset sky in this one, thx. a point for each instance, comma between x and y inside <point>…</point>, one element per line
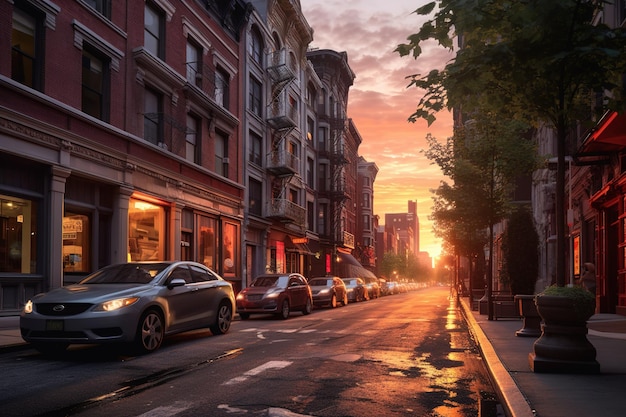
<point>379,101</point>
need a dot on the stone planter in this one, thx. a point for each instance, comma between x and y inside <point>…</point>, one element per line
<point>563,346</point>
<point>531,325</point>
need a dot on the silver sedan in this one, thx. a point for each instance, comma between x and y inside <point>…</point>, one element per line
<point>138,302</point>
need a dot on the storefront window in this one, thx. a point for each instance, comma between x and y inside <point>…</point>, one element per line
<point>146,231</point>
<point>206,241</point>
<point>18,235</point>
<point>76,239</point>
<point>229,252</point>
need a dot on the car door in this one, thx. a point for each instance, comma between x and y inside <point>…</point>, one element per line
<point>297,291</point>
<point>180,299</point>
<point>207,295</point>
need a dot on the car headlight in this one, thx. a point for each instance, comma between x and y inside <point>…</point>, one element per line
<point>28,307</point>
<point>113,305</point>
<point>324,291</point>
<point>240,296</point>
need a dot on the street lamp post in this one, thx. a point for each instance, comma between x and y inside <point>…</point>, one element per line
<point>489,283</point>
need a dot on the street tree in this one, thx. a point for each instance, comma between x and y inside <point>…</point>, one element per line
<point>486,157</point>
<point>540,61</point>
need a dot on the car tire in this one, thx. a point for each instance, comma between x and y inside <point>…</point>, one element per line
<point>244,316</point>
<point>150,332</point>
<point>284,310</point>
<point>52,348</point>
<point>333,301</point>
<point>308,307</point>
<point>223,319</point>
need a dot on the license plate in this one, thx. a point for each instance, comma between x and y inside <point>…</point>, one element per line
<point>54,325</point>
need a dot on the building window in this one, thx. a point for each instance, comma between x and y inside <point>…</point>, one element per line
<point>292,147</point>
<point>230,251</point>
<point>101,6</point>
<point>192,139</point>
<point>222,87</point>
<point>256,47</point>
<point>18,223</point>
<point>366,200</point>
<point>256,97</point>
<point>95,86</point>
<point>310,215</point>
<point>221,154</point>
<point>293,196</point>
<point>256,143</point>
<point>146,231</point>
<point>310,128</point>
<point>153,117</point>
<point>193,61</point>
<point>322,139</point>
<point>367,225</point>
<point>323,178</point>
<point>154,31</point>
<point>255,197</point>
<point>27,48</point>
<point>321,219</point>
<point>310,173</point>
<point>76,243</point>
<point>311,95</point>
<point>206,242</point>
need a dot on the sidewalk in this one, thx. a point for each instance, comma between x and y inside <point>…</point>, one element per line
<point>524,393</point>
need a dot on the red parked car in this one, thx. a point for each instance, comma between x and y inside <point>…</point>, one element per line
<point>275,294</point>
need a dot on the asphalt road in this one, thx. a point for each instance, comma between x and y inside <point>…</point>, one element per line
<point>402,355</point>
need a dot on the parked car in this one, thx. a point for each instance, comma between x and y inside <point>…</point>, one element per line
<point>357,291</point>
<point>328,291</point>
<point>393,287</point>
<point>373,287</point>
<point>137,302</point>
<point>277,294</point>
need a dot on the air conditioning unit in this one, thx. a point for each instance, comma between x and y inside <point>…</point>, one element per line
<point>226,160</point>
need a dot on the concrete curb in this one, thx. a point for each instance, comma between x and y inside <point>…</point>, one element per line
<point>511,398</point>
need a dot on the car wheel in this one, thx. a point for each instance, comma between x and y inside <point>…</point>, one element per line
<point>333,301</point>
<point>284,310</point>
<point>150,332</point>
<point>223,319</point>
<point>244,316</point>
<point>51,348</point>
<point>308,307</point>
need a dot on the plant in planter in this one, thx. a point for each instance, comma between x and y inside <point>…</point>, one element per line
<point>521,266</point>
<point>563,346</point>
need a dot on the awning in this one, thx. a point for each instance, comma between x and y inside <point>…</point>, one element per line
<point>609,135</point>
<point>349,267</point>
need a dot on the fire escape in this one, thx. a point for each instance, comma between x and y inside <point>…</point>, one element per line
<point>281,162</point>
<point>338,193</point>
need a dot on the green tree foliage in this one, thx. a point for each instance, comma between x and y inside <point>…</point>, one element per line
<point>392,265</point>
<point>520,245</point>
<point>535,61</point>
<point>483,159</point>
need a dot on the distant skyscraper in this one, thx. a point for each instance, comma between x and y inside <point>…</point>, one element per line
<point>406,227</point>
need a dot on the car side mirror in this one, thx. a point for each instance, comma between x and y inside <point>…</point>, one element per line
<point>176,282</point>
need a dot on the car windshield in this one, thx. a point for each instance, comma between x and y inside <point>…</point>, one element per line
<point>265,282</point>
<point>322,282</point>
<point>131,273</point>
<point>350,282</point>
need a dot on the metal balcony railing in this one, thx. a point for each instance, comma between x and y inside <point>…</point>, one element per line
<point>281,162</point>
<point>282,209</point>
